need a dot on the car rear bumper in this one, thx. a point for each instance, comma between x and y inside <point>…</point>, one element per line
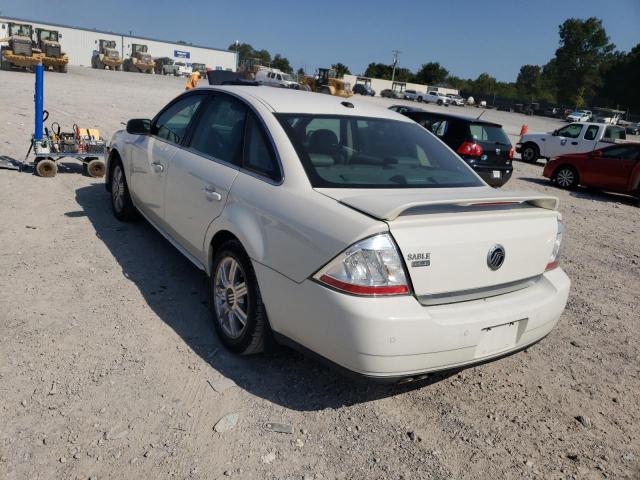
<point>518,148</point>
<point>396,337</point>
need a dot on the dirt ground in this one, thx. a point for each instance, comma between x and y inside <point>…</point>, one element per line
<point>110,368</point>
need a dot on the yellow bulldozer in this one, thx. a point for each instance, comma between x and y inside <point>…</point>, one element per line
<point>48,44</point>
<point>326,81</point>
<point>140,60</point>
<point>19,52</point>
<point>107,56</point>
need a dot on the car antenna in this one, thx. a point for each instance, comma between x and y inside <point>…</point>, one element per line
<point>481,113</point>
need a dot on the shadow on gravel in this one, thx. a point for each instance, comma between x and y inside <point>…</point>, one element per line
<point>586,193</point>
<point>176,291</point>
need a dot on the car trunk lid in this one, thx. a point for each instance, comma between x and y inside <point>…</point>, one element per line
<point>446,236</point>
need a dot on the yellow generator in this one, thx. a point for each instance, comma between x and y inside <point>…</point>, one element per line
<point>327,82</point>
<point>19,52</point>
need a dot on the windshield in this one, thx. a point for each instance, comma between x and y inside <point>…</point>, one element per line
<point>48,35</point>
<point>287,77</point>
<point>20,30</point>
<point>357,152</point>
<point>485,133</point>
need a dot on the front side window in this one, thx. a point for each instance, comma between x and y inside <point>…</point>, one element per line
<point>258,154</point>
<point>220,129</point>
<point>570,131</point>
<point>171,124</point>
<point>355,152</point>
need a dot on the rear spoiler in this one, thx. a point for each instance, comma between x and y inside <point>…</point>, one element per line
<point>390,207</point>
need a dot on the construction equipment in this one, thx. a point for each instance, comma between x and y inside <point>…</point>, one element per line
<point>49,146</point>
<point>199,67</point>
<point>326,81</point>
<point>139,60</point>
<point>19,52</point>
<point>107,56</point>
<point>48,44</point>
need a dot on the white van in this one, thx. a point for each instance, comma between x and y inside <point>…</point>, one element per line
<point>275,78</point>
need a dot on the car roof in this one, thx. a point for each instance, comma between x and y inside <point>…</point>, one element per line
<point>460,117</point>
<point>287,100</point>
<point>410,108</point>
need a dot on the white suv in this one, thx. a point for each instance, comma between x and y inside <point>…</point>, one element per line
<point>342,228</point>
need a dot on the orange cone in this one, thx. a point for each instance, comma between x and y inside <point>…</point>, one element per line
<point>524,129</point>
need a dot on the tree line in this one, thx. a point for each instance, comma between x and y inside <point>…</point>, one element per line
<point>586,69</point>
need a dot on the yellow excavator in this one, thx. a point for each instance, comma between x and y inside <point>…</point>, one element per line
<point>19,52</point>
<point>326,81</point>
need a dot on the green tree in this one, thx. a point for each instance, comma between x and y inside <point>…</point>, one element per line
<point>584,50</point>
<point>529,82</point>
<point>485,84</point>
<point>341,69</point>
<point>431,73</point>
<point>281,63</point>
<point>378,70</point>
<point>621,79</point>
<point>301,72</point>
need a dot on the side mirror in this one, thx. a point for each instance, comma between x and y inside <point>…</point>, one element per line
<point>555,133</point>
<point>139,126</point>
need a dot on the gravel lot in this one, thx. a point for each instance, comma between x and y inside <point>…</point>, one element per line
<point>109,366</point>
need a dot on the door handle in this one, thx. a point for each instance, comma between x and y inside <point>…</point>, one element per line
<point>158,167</point>
<point>211,194</point>
<point>574,143</point>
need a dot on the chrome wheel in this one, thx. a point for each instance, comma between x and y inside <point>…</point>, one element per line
<point>565,178</point>
<point>117,189</point>
<point>230,296</point>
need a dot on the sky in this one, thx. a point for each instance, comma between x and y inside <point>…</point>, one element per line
<point>466,37</point>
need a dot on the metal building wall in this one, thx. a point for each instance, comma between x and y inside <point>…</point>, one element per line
<point>79,44</point>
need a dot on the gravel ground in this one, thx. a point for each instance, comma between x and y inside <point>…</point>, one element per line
<point>109,367</point>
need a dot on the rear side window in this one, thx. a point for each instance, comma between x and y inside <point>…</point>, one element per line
<point>615,133</point>
<point>220,129</point>
<point>592,131</point>
<point>258,153</point>
<point>171,125</point>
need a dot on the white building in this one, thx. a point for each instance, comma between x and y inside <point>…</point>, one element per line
<point>80,43</point>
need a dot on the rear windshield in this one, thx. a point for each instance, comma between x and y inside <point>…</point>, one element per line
<point>357,152</point>
<point>484,133</point>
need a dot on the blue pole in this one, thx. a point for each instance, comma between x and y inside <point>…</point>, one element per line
<point>39,100</point>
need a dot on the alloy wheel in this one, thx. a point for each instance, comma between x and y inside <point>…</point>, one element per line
<point>528,154</point>
<point>117,189</point>
<point>565,178</point>
<point>230,296</point>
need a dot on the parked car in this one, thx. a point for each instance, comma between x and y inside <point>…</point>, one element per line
<point>166,66</point>
<point>437,98</point>
<point>573,138</point>
<point>633,128</point>
<point>413,95</point>
<point>342,229</point>
<point>579,116</point>
<point>482,144</point>
<point>388,93</point>
<point>615,168</point>
<point>362,89</point>
<point>456,100</point>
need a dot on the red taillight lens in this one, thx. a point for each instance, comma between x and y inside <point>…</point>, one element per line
<point>512,152</point>
<point>371,267</point>
<point>470,148</point>
<point>555,254</point>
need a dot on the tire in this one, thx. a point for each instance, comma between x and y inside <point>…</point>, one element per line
<point>529,153</point>
<point>62,68</point>
<point>440,102</point>
<point>46,168</point>
<point>121,203</point>
<point>96,168</point>
<point>228,306</point>
<point>566,177</point>
<point>419,99</point>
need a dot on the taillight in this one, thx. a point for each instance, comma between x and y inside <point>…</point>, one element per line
<point>512,152</point>
<point>470,148</point>
<point>555,254</point>
<point>370,267</point>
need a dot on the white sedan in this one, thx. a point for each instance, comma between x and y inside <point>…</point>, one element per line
<point>341,228</point>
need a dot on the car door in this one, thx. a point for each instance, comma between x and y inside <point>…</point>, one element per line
<point>610,168</point>
<point>152,155</point>
<point>203,171</point>
<point>564,140</point>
